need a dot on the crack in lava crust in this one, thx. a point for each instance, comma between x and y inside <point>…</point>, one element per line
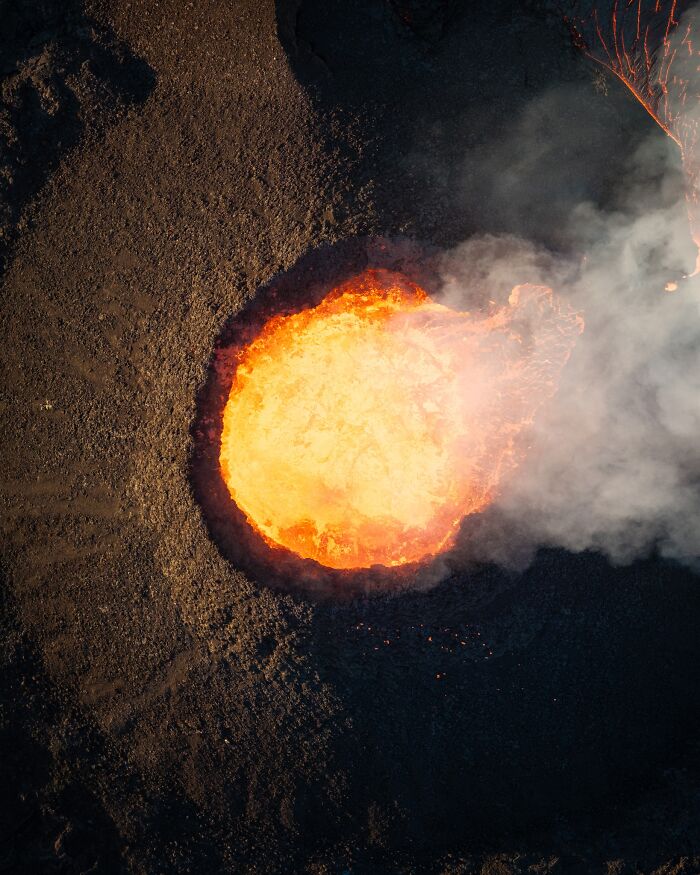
<point>361,431</point>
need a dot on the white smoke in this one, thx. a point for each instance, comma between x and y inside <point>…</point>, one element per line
<point>614,461</point>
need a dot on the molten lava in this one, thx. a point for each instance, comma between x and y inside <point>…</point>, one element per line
<point>361,431</point>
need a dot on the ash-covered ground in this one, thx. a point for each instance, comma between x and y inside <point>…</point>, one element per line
<point>162,712</point>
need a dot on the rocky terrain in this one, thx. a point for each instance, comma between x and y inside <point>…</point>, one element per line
<point>165,711</point>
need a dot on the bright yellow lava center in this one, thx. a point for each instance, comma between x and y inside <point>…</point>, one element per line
<point>361,431</point>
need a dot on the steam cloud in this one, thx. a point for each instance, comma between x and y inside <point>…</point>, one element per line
<point>614,461</point>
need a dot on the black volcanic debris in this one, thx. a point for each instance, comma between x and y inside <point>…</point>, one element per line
<point>172,701</point>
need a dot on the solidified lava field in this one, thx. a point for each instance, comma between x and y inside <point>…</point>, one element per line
<point>165,710</point>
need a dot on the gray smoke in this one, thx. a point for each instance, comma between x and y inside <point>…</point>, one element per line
<point>614,462</point>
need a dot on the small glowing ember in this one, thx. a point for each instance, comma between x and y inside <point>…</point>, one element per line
<point>362,431</point>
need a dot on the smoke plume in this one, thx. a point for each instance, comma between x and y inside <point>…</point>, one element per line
<point>614,459</point>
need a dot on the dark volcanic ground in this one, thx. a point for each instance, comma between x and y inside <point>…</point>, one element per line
<point>159,711</point>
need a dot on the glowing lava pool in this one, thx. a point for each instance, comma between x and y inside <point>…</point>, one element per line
<point>361,431</point>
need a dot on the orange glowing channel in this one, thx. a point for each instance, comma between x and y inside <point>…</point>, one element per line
<point>361,431</point>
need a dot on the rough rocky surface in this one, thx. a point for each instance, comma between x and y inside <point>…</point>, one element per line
<point>160,710</point>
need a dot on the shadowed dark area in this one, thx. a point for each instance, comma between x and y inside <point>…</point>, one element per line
<point>469,742</point>
<point>439,88</point>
